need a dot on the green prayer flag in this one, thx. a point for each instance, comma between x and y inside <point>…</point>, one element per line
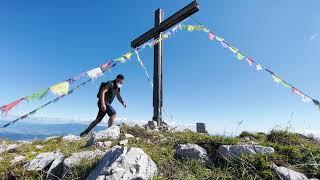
<point>38,95</point>
<point>285,85</point>
<point>240,56</point>
<point>128,55</point>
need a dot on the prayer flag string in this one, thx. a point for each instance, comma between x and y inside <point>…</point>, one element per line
<point>240,56</point>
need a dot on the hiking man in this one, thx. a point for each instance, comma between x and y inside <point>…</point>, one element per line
<point>106,94</point>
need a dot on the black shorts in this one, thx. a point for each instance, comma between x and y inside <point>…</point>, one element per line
<point>109,110</point>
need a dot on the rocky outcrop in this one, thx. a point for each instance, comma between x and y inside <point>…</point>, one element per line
<point>287,174</point>
<point>43,161</point>
<point>192,151</point>
<point>76,158</point>
<point>124,163</point>
<point>229,151</point>
<point>56,169</point>
<point>112,132</point>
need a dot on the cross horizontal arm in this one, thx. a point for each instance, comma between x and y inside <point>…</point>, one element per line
<point>166,24</point>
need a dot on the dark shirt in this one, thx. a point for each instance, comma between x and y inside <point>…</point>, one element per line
<point>112,92</point>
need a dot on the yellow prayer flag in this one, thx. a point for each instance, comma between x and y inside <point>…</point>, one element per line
<point>191,28</point>
<point>276,79</point>
<point>60,89</point>
<point>128,55</point>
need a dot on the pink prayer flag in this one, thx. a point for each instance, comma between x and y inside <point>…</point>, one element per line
<point>211,36</point>
<point>106,66</point>
<point>8,107</point>
<point>295,91</point>
<point>250,62</point>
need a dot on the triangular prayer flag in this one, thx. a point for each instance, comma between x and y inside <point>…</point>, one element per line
<point>121,59</point>
<point>205,30</point>
<point>106,66</point>
<point>94,73</point>
<point>233,49</point>
<point>190,28</point>
<point>276,79</point>
<point>250,62</point>
<point>316,102</point>
<point>295,91</point>
<point>220,39</point>
<point>259,67</point>
<point>76,78</point>
<point>60,89</point>
<point>240,56</point>
<point>128,55</point>
<point>286,85</point>
<point>211,36</point>
<point>6,108</point>
<point>305,98</point>
<point>38,95</point>
<point>224,44</point>
<point>165,36</point>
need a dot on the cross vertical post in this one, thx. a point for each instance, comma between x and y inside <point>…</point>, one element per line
<point>162,25</point>
<point>157,72</point>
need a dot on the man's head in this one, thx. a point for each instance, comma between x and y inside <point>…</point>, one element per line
<point>119,80</point>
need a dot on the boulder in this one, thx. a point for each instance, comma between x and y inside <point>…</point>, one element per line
<point>229,151</point>
<point>125,163</point>
<point>71,138</point>
<point>43,161</point>
<point>192,151</point>
<point>56,169</point>
<point>76,158</point>
<point>17,159</point>
<point>288,174</point>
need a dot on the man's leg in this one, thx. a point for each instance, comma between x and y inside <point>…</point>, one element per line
<point>99,117</point>
<point>111,120</point>
<point>112,114</point>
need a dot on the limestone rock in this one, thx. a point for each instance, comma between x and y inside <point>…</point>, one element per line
<point>39,147</point>
<point>228,151</point>
<point>192,151</point>
<point>71,138</point>
<point>76,158</point>
<point>56,169</point>
<point>112,132</point>
<point>43,161</point>
<point>106,144</point>
<point>10,148</point>
<point>17,159</point>
<point>123,142</point>
<point>124,163</point>
<point>288,174</point>
<point>128,135</point>
<point>52,137</point>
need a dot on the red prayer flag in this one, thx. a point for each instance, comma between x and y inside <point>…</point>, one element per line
<point>8,107</point>
<point>295,91</point>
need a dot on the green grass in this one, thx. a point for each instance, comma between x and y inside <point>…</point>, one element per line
<point>293,150</point>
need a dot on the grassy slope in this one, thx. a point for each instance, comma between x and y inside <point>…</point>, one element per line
<point>292,150</point>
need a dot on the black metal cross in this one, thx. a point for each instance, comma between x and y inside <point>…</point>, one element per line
<point>156,32</point>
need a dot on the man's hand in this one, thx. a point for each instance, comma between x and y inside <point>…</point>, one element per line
<point>103,107</point>
<point>124,104</point>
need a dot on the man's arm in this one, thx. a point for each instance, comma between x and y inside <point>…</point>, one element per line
<point>120,99</point>
<point>102,98</point>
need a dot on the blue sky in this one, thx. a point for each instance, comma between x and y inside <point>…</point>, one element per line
<point>45,42</point>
